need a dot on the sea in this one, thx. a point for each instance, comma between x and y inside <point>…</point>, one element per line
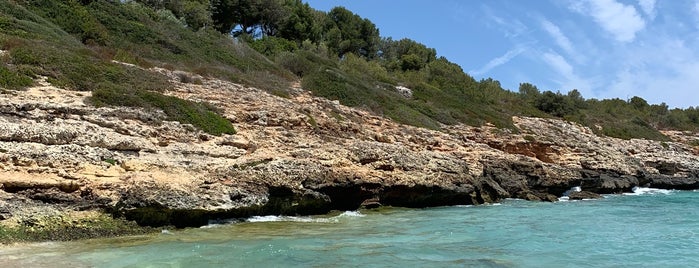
<point>647,228</point>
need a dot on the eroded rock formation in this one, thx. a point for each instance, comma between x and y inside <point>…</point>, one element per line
<point>301,155</point>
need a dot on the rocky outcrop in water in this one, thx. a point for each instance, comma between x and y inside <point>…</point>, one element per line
<point>297,155</point>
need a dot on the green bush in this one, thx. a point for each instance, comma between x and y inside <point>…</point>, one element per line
<point>270,45</point>
<point>199,115</point>
<point>333,85</point>
<point>73,42</point>
<point>13,80</point>
<point>25,55</point>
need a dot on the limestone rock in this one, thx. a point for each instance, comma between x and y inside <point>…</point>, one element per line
<point>296,155</point>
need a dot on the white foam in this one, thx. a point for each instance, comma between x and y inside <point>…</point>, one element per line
<point>572,190</point>
<point>648,191</point>
<point>272,218</point>
<point>350,214</point>
<point>218,223</point>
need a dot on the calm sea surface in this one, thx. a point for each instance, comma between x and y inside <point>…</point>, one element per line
<point>651,228</point>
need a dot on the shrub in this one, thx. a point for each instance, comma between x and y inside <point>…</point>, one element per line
<point>25,55</point>
<point>13,80</point>
<point>270,45</point>
<point>199,115</point>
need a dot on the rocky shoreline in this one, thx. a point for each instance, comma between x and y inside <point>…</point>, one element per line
<point>295,156</point>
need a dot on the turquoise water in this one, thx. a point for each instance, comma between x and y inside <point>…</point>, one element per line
<point>648,229</point>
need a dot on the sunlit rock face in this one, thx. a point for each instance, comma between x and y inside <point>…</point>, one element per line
<point>297,155</point>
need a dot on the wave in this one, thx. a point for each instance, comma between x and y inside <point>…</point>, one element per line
<point>648,191</point>
<point>271,218</point>
<point>218,223</point>
<point>565,195</point>
<point>351,214</point>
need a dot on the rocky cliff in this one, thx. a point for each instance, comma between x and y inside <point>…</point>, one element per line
<point>297,155</point>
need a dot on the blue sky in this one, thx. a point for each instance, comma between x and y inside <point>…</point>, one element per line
<point>603,48</point>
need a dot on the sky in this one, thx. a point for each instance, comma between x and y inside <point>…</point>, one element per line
<point>603,48</point>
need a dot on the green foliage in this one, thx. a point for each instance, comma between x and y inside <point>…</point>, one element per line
<point>348,32</point>
<point>198,114</point>
<point>304,62</point>
<point>337,55</point>
<point>554,104</point>
<point>13,80</point>
<point>270,45</point>
<point>365,70</point>
<point>193,13</point>
<point>335,86</point>
<point>410,62</point>
<point>444,74</point>
<point>110,161</point>
<point>132,33</point>
<point>529,91</point>
<point>406,53</point>
<point>301,24</point>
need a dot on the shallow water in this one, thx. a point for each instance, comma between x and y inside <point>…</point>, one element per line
<point>647,229</point>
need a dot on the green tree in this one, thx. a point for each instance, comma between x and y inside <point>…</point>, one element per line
<point>448,75</point>
<point>576,99</point>
<point>228,15</point>
<point>301,23</point>
<point>638,103</point>
<point>554,104</point>
<point>273,14</point>
<point>529,91</point>
<point>195,13</point>
<point>347,32</point>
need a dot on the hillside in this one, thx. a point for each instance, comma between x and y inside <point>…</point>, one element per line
<point>114,112</point>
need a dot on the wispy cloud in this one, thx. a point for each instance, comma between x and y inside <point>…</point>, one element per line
<point>648,7</point>
<point>568,78</point>
<point>620,20</point>
<point>558,36</point>
<point>666,73</point>
<point>511,28</point>
<point>499,61</point>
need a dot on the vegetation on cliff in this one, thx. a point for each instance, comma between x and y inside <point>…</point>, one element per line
<point>270,44</point>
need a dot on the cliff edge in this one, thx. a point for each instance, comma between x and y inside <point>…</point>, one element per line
<point>298,155</point>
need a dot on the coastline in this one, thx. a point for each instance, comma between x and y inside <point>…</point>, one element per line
<point>301,155</point>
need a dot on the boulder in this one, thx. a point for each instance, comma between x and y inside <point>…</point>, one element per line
<point>580,195</point>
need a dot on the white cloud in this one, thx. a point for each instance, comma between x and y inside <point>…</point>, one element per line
<point>622,21</point>
<point>499,61</point>
<point>677,90</point>
<point>666,72</point>
<point>648,7</point>
<point>560,38</point>
<point>558,63</point>
<point>511,28</point>
<point>569,79</point>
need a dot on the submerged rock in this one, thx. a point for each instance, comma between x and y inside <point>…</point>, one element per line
<point>580,195</point>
